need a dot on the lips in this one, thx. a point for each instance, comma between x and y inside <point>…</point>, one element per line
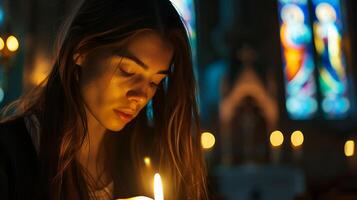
<point>124,115</point>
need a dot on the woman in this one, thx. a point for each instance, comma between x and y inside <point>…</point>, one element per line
<point>121,89</point>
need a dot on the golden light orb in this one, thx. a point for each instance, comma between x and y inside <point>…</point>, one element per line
<point>12,43</point>
<point>276,138</point>
<point>2,44</point>
<point>207,140</point>
<point>349,148</point>
<point>297,138</point>
<point>147,161</point>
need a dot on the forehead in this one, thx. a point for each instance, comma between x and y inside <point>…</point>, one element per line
<point>152,49</point>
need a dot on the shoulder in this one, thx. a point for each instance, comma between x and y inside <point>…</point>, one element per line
<point>13,133</point>
<point>16,143</point>
<point>18,160</point>
<point>11,125</point>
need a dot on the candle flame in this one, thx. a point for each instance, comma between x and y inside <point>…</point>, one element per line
<point>158,190</point>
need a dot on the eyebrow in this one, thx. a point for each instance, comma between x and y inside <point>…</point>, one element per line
<point>127,54</point>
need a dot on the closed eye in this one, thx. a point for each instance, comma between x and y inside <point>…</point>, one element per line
<point>154,85</point>
<point>125,73</point>
<point>157,80</point>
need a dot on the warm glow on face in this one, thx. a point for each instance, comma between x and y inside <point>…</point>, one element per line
<point>147,161</point>
<point>349,148</point>
<point>276,138</point>
<point>297,138</point>
<point>12,43</point>
<point>116,85</point>
<point>207,140</point>
<point>158,189</point>
<point>2,44</point>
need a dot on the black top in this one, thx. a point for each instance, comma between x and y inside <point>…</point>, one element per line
<point>20,169</point>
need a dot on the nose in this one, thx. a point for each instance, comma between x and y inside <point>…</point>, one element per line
<point>138,95</point>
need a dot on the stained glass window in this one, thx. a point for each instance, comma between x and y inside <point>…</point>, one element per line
<point>297,55</point>
<point>328,35</point>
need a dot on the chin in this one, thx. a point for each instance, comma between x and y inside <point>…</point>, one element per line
<point>115,127</point>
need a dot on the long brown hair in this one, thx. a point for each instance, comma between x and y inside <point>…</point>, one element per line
<point>59,107</point>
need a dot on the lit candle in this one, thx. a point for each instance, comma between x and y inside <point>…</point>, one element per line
<point>158,190</point>
<point>276,141</point>
<point>350,154</point>
<point>138,198</point>
<point>297,140</point>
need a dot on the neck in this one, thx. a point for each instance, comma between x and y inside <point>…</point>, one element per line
<point>94,138</point>
<point>89,156</point>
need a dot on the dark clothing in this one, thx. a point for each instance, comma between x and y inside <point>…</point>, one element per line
<point>20,169</point>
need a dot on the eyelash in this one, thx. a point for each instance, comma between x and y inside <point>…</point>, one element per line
<point>127,74</point>
<point>154,85</point>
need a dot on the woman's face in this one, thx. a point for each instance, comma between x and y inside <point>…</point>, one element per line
<point>116,87</point>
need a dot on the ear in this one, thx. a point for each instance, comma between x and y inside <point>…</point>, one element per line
<point>78,59</point>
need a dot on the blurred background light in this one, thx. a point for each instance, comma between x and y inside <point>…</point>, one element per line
<point>297,138</point>
<point>276,138</point>
<point>349,148</point>
<point>207,140</point>
<point>12,43</point>
<point>2,44</point>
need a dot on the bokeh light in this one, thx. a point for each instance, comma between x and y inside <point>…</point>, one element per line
<point>349,148</point>
<point>297,138</point>
<point>207,140</point>
<point>276,138</point>
<point>12,43</point>
<point>2,44</point>
<point>147,161</point>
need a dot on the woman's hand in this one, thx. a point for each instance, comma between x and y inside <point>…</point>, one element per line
<point>137,198</point>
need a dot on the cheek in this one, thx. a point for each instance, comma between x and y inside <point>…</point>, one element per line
<point>96,84</point>
<point>100,101</point>
<point>93,97</point>
<point>97,93</point>
<point>151,95</point>
<point>118,86</point>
